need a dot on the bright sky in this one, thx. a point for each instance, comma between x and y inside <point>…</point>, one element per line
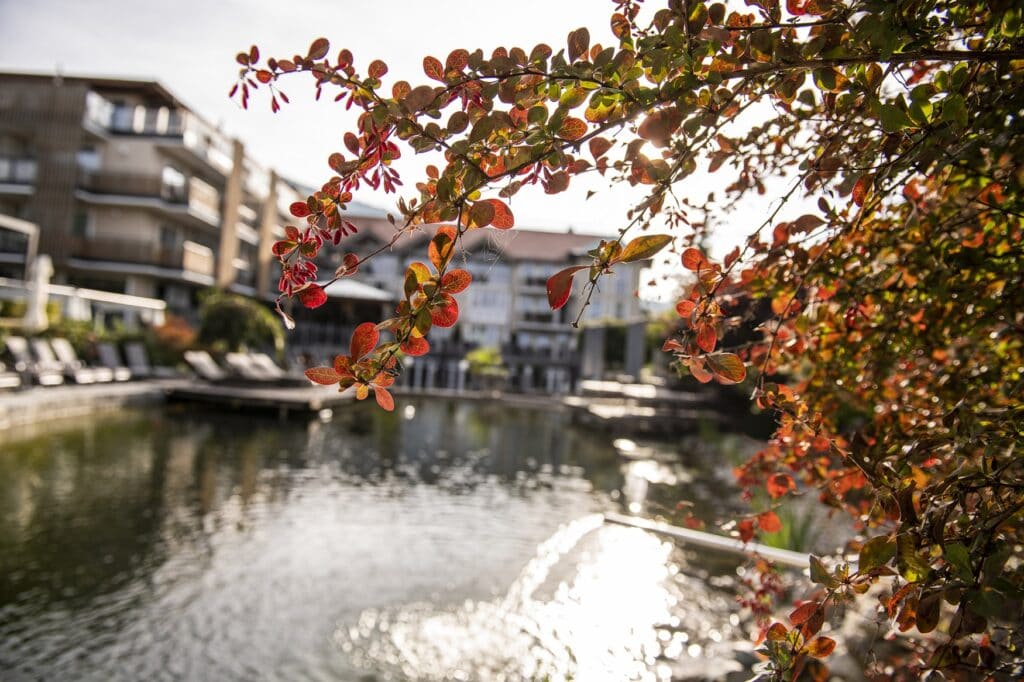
<point>189,46</point>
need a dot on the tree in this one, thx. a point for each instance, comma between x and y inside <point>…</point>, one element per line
<point>234,322</point>
<point>898,300</point>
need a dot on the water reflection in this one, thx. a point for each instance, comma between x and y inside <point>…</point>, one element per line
<point>172,545</point>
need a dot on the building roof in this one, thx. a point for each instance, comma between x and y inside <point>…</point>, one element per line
<point>151,89</point>
<point>355,290</point>
<point>529,245</point>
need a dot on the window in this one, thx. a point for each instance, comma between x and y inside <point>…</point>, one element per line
<point>81,225</point>
<point>88,158</point>
<point>168,237</point>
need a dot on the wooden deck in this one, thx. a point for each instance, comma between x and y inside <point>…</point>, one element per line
<point>284,400</point>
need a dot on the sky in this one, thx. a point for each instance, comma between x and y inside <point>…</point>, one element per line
<point>189,46</point>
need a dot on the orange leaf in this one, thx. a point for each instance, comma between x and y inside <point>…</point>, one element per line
<point>384,398</point>
<point>481,214</point>
<point>821,647</point>
<point>456,281</point>
<point>685,309</point>
<point>660,125</point>
<point>573,128</point>
<point>700,372</point>
<point>693,259</point>
<point>780,484</point>
<point>442,246</point>
<point>769,522</point>
<point>728,368</point>
<point>707,337</point>
<point>560,286</point>
<point>644,247</point>
<point>325,376</point>
<point>860,190</point>
<point>364,339</point>
<point>433,68</point>
<point>318,48</point>
<point>503,218</point>
<point>599,146</point>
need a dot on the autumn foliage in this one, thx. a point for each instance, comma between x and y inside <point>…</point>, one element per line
<point>892,262</point>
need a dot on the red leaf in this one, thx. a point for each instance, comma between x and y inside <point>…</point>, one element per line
<point>796,7</point>
<point>746,530</point>
<point>560,286</point>
<point>325,376</point>
<point>699,371</point>
<point>693,259</point>
<point>364,339</point>
<point>685,309</point>
<point>573,128</point>
<point>384,398</point>
<point>660,125</point>
<point>456,281</point>
<point>503,218</point>
<point>318,49</point>
<point>769,522</point>
<point>313,296</point>
<point>457,60</point>
<point>377,69</point>
<point>707,337</point>
<point>860,190</point>
<point>349,265</point>
<point>416,346</point>
<point>802,613</point>
<point>599,146</point>
<point>264,76</point>
<point>433,68</point>
<point>446,314</point>
<point>780,484</point>
<point>299,209</point>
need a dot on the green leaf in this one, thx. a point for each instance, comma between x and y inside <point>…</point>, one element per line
<point>876,552</point>
<point>820,574</point>
<point>957,556</point>
<point>643,248</point>
<point>893,118</point>
<point>911,565</point>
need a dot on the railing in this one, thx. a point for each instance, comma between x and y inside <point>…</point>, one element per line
<point>18,170</point>
<point>191,256</point>
<point>204,199</point>
<point>133,185</point>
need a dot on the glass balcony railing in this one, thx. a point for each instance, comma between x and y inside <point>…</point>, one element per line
<point>201,198</point>
<point>18,170</point>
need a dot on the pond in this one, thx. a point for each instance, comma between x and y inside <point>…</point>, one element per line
<point>447,540</point>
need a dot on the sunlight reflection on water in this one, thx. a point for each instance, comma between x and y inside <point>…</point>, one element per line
<point>623,611</point>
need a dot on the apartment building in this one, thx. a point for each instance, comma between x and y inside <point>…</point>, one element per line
<point>134,192</point>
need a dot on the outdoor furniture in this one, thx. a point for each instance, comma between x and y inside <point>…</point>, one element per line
<point>67,356</point>
<point>204,366</point>
<point>243,367</point>
<point>275,373</point>
<point>44,354</point>
<point>138,362</point>
<point>111,358</point>
<point>28,367</point>
<point>9,379</point>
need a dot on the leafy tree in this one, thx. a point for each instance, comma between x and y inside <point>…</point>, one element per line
<point>896,284</point>
<point>232,322</point>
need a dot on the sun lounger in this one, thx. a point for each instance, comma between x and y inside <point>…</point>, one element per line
<point>138,362</point>
<point>44,354</point>
<point>28,367</point>
<point>270,371</point>
<point>75,368</point>
<point>9,379</point>
<point>111,359</point>
<point>204,366</point>
<point>241,366</point>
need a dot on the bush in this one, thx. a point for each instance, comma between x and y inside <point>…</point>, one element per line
<point>229,322</point>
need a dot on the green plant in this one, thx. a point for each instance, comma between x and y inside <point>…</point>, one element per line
<point>229,322</point>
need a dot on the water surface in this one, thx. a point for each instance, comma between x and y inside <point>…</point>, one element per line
<point>443,541</point>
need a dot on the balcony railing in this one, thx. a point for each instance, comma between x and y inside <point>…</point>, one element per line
<point>190,256</point>
<point>201,198</point>
<point>18,170</point>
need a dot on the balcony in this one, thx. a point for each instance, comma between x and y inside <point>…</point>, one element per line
<point>18,170</point>
<point>190,258</point>
<point>195,197</point>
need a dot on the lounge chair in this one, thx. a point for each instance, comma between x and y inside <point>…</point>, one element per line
<point>75,368</point>
<point>111,359</point>
<point>9,379</point>
<point>242,366</point>
<point>204,366</point>
<point>138,362</point>
<point>44,354</point>
<point>272,372</point>
<point>31,370</point>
